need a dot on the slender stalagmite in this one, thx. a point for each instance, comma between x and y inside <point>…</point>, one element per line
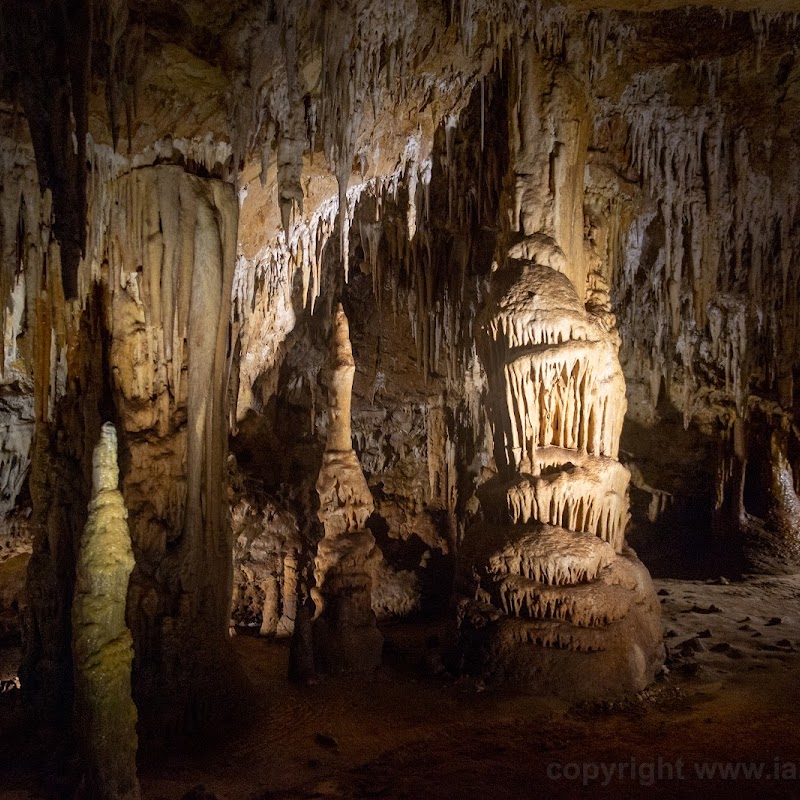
<point>105,715</point>
<point>346,638</point>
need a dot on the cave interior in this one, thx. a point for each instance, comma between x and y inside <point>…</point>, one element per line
<point>397,398</point>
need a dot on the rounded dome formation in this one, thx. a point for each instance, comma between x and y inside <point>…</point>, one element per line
<point>526,287</point>
<point>531,302</point>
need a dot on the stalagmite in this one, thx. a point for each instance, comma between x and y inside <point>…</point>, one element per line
<point>548,579</point>
<point>345,634</point>
<point>269,612</point>
<point>105,715</point>
<point>784,502</point>
<point>286,622</point>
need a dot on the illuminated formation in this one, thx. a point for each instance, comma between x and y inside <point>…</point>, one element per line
<point>101,643</point>
<point>346,637</point>
<point>555,595</point>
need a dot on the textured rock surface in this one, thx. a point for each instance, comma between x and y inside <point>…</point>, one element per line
<point>102,645</point>
<point>13,598</point>
<point>150,348</point>
<point>265,572</point>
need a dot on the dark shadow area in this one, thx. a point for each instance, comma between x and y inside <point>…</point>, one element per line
<point>672,496</point>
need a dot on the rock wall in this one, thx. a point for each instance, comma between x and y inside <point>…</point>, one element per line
<point>703,281</point>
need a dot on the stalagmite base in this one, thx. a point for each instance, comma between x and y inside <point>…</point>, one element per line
<point>105,715</point>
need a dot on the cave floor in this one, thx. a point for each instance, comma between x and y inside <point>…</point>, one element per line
<point>730,696</point>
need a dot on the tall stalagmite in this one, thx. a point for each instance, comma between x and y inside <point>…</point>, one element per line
<point>554,595</point>
<point>346,638</point>
<point>102,646</point>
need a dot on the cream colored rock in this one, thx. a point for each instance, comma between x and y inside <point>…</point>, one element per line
<point>149,337</point>
<point>563,386</point>
<point>552,556</point>
<point>340,388</point>
<point>582,493</point>
<point>553,595</point>
<point>264,566</point>
<point>105,715</point>
<point>344,497</point>
<point>285,625</point>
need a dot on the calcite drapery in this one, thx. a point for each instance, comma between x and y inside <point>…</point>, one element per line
<point>556,596</point>
<point>102,646</point>
<point>171,242</point>
<point>346,637</point>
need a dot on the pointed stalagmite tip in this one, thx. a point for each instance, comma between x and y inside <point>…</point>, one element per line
<point>343,349</point>
<point>105,470</point>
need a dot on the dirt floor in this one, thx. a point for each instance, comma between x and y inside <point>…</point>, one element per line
<point>729,701</point>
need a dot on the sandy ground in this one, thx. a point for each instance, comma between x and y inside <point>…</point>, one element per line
<point>729,700</point>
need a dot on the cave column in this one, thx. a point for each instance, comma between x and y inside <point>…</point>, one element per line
<point>148,346</point>
<point>549,131</point>
<point>550,594</point>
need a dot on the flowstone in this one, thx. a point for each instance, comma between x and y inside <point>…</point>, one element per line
<point>346,637</point>
<point>105,715</point>
<point>551,594</point>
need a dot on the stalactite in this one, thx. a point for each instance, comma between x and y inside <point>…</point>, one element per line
<point>120,43</point>
<point>722,208</point>
<point>355,35</point>
<point>24,230</point>
<point>49,46</point>
<point>425,276</point>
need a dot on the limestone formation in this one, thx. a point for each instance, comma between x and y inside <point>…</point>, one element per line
<point>265,567</point>
<point>346,637</point>
<point>555,598</point>
<point>150,345</point>
<point>636,170</point>
<point>102,646</point>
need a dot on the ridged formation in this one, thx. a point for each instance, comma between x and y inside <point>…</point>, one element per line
<point>555,596</point>
<point>346,637</point>
<point>102,645</point>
